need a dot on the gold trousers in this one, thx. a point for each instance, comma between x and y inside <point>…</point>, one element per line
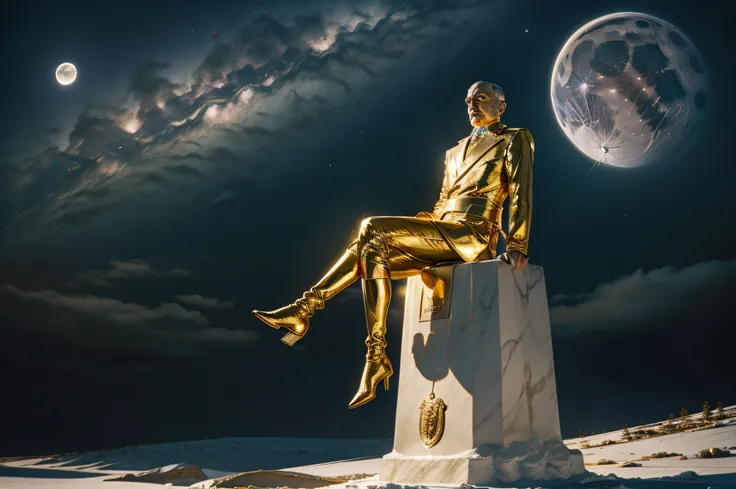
<point>386,248</point>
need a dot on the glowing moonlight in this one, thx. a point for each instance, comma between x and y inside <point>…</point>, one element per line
<point>66,73</point>
<point>630,89</point>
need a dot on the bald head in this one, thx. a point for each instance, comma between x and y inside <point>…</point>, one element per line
<point>486,102</point>
<point>488,88</point>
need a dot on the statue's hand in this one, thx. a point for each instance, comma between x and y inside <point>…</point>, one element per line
<point>516,259</point>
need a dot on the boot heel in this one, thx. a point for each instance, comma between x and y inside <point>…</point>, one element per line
<point>290,339</point>
<point>385,382</point>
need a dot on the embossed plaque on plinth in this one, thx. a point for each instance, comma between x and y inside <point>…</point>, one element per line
<point>487,353</point>
<point>432,420</point>
<point>436,297</point>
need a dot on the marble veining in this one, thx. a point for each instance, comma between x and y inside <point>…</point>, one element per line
<point>511,345</point>
<point>491,362</point>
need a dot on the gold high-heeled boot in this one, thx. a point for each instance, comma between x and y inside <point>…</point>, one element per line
<point>376,298</point>
<point>295,317</point>
<point>377,368</point>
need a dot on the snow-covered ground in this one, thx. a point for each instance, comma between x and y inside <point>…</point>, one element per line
<point>336,458</point>
<point>216,458</point>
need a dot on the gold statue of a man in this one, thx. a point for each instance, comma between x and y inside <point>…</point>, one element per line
<point>488,166</point>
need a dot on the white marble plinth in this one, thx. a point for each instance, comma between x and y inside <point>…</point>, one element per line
<point>488,355</point>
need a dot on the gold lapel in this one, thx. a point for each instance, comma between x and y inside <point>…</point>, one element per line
<point>461,148</point>
<point>488,142</point>
<point>455,158</point>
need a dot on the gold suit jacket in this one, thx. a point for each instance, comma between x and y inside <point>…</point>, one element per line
<point>497,168</point>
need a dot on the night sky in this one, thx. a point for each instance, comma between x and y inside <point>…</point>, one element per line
<point>215,157</point>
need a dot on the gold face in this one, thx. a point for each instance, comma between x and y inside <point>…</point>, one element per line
<point>484,106</point>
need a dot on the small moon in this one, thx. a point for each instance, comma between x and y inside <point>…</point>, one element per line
<point>66,73</point>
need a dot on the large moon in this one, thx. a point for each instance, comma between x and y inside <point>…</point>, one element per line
<point>629,89</point>
<point>66,73</point>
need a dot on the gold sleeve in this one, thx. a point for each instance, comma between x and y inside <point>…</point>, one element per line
<point>519,162</point>
<point>443,191</point>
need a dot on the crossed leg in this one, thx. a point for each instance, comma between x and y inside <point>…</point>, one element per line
<point>394,248</point>
<point>386,248</point>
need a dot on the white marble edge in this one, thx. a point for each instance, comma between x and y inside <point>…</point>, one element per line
<point>494,308</point>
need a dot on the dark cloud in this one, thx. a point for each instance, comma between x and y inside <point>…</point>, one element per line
<point>102,324</point>
<point>94,193</point>
<point>117,311</point>
<point>225,195</point>
<point>184,171</point>
<point>150,88</point>
<point>204,302</point>
<point>131,269</point>
<point>190,156</point>
<point>655,298</point>
<point>155,178</point>
<point>216,64</point>
<point>257,130</point>
<point>312,27</point>
<point>285,68</point>
<point>97,131</point>
<point>85,210</point>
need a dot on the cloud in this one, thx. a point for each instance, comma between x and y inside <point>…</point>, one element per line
<point>135,268</point>
<point>204,302</point>
<point>294,69</point>
<point>150,88</point>
<point>225,195</point>
<point>655,298</point>
<point>115,310</point>
<point>102,325</point>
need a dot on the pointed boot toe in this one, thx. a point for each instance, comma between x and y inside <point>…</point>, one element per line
<point>288,318</point>
<point>376,369</point>
<point>265,316</point>
<point>361,398</point>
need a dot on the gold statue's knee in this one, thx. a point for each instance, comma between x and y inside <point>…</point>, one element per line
<point>365,225</point>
